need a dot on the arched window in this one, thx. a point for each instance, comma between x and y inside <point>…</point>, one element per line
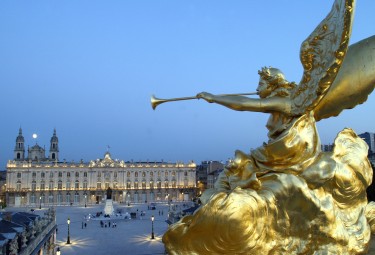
<point>50,186</point>
<point>18,185</point>
<point>42,185</point>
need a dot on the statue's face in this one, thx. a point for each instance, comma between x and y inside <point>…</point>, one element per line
<point>263,89</point>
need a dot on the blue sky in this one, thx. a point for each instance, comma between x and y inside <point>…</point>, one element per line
<point>88,69</point>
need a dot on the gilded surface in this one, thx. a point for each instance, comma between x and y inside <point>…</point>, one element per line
<point>288,197</point>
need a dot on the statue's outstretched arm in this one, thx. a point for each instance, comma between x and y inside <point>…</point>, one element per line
<point>242,103</point>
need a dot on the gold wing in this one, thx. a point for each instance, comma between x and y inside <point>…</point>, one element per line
<point>354,82</point>
<point>322,55</point>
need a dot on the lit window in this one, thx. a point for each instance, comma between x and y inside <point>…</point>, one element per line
<point>18,185</point>
<point>42,186</point>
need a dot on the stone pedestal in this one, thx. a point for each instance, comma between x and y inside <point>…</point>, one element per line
<point>108,208</point>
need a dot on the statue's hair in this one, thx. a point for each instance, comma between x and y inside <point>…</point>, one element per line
<point>276,81</point>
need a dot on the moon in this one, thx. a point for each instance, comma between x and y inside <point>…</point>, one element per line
<point>35,136</point>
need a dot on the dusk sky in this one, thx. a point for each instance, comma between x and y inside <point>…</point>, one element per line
<point>88,69</point>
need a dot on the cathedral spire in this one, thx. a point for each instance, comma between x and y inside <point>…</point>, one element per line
<point>19,150</point>
<point>54,147</point>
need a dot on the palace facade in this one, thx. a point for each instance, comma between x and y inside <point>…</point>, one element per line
<point>37,180</point>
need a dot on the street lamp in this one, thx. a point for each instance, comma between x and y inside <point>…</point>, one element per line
<point>85,200</point>
<point>152,231</point>
<point>58,251</point>
<point>68,240</point>
<point>40,202</point>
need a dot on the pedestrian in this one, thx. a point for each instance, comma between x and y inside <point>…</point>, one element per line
<point>85,224</point>
<point>109,224</point>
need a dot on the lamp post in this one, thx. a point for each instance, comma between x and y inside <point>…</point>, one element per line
<point>152,229</point>
<point>40,202</point>
<point>68,240</point>
<point>58,252</point>
<point>85,200</point>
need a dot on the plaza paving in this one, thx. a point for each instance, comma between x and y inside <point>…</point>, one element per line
<point>132,236</point>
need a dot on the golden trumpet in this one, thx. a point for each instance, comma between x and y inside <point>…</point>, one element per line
<point>156,101</point>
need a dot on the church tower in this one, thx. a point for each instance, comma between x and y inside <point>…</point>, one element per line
<point>19,150</point>
<point>54,147</point>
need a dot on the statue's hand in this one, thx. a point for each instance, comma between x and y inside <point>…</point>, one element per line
<point>206,96</point>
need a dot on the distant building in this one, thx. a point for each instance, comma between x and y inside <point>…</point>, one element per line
<point>2,189</point>
<point>25,233</point>
<point>207,173</point>
<point>326,147</point>
<point>369,138</point>
<point>36,180</point>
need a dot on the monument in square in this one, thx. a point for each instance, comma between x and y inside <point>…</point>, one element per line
<point>108,206</point>
<point>287,196</point>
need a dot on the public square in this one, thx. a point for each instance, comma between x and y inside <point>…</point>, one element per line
<point>130,236</point>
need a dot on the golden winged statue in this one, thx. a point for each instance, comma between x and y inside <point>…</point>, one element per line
<point>287,196</point>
